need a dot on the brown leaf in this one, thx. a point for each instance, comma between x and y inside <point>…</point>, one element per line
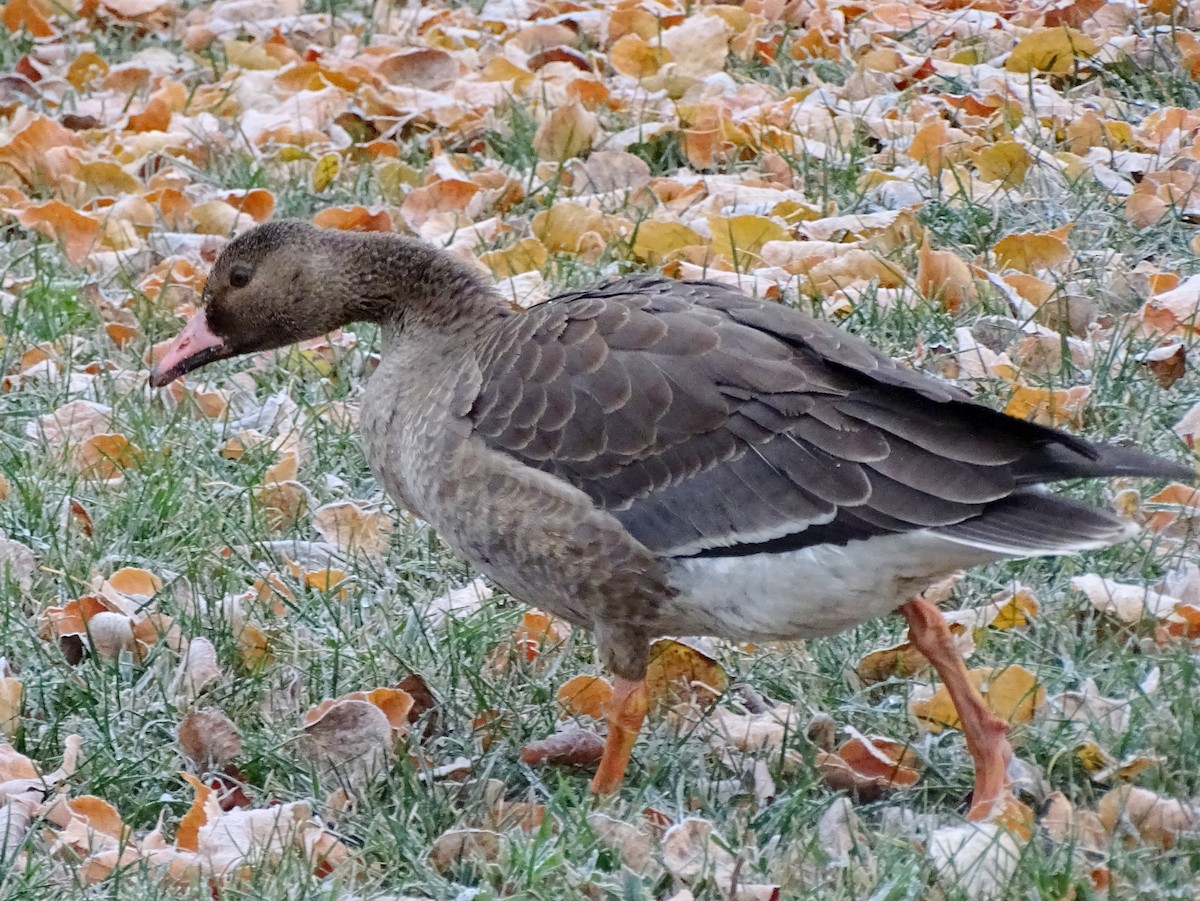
<point>467,846</point>
<point>569,746</point>
<point>1168,363</point>
<point>1142,815</point>
<point>210,739</point>
<point>350,741</point>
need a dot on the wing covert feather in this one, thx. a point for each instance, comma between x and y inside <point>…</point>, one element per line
<point>709,422</point>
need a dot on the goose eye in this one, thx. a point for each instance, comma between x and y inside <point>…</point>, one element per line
<point>239,276</point>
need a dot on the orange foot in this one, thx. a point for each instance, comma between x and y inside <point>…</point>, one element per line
<point>626,713</point>
<point>986,733</point>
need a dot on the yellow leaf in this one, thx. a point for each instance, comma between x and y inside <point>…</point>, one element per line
<point>1056,407</point>
<point>563,226</point>
<point>1030,251</point>
<point>655,241</point>
<point>325,171</point>
<point>248,55</point>
<point>1052,50</point>
<point>567,133</point>
<point>1013,693</point>
<point>679,672</point>
<point>1005,162</point>
<point>634,57</point>
<point>738,237</point>
<point>253,648</point>
<point>527,255</point>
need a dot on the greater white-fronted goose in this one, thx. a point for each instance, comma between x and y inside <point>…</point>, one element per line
<point>650,457</point>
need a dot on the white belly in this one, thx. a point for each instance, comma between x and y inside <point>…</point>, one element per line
<point>811,592</point>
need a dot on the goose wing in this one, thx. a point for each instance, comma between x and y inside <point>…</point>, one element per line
<point>710,423</point>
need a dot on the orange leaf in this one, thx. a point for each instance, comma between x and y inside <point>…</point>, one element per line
<point>105,457</point>
<point>1056,407</point>
<point>632,56</point>
<point>539,631</point>
<point>187,836</point>
<point>155,116</point>
<point>28,15</point>
<point>584,696</point>
<point>353,218</point>
<point>75,231</point>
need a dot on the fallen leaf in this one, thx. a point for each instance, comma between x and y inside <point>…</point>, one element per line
<point>210,739</point>
<point>1140,815</point>
<point>569,746</point>
<point>458,847</point>
<point>679,672</point>
<point>1128,603</point>
<point>634,844</point>
<point>11,696</point>
<point>458,602</point>
<point>1031,252</point>
<point>976,859</point>
<point>351,527</point>
<point>1057,51</point>
<point>568,132</point>
<point>584,696</point>
<point>197,669</point>
<point>1055,407</point>
<point>944,276</point>
<point>75,231</point>
<point>1012,692</point>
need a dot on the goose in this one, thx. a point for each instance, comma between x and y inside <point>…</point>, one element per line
<point>650,457</point>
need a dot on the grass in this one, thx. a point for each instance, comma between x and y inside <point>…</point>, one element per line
<point>180,510</point>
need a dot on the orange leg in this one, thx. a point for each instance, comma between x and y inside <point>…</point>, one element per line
<point>986,733</point>
<point>626,713</point>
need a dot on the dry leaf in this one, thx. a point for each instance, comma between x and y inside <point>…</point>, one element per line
<point>976,859</point>
<point>679,672</point>
<point>1011,692</point>
<point>1057,51</point>
<point>1055,407</point>
<point>584,696</point>
<point>569,746</point>
<point>467,846</point>
<point>458,602</point>
<point>1142,815</point>
<point>1031,252</point>
<point>1128,603</point>
<point>350,527</point>
<point>210,739</point>
<point>568,132</point>
<point>197,669</point>
<point>633,843</point>
<point>11,693</point>
<point>944,276</point>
